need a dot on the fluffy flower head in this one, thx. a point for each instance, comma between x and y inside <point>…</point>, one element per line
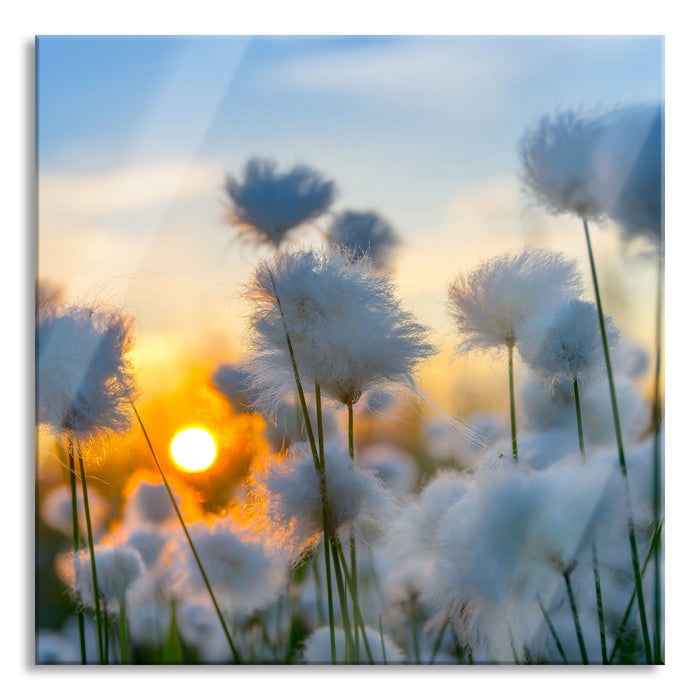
<point>286,498</point>
<point>57,510</point>
<point>566,344</point>
<point>242,571</point>
<point>607,165</point>
<point>629,166</point>
<point>348,330</point>
<point>317,648</point>
<point>364,233</point>
<point>117,569</point>
<point>557,164</point>
<point>84,379</point>
<point>268,204</point>
<point>492,304</point>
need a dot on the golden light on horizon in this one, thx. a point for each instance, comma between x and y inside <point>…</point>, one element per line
<point>193,449</point>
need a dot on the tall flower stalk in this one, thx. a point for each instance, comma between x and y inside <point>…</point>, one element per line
<point>224,627</point>
<point>611,166</point>
<point>76,541</point>
<point>93,563</point>
<point>621,453</point>
<point>656,489</point>
<point>511,394</point>
<point>495,302</point>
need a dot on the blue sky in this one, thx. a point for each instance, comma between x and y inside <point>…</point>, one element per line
<point>135,135</point>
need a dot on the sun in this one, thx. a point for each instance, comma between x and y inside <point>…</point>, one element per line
<point>193,449</point>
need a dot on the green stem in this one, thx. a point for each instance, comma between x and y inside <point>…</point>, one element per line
<point>621,453</point>
<point>656,422</point>
<point>579,422</point>
<point>123,643</point>
<point>328,535</point>
<point>326,549</point>
<point>224,627</point>
<point>319,597</point>
<point>342,599</point>
<point>441,634</point>
<point>625,617</point>
<point>414,630</point>
<point>599,604</point>
<point>381,635</point>
<point>76,541</point>
<point>106,633</point>
<point>457,647</point>
<point>320,467</point>
<point>511,388</point>
<point>553,631</point>
<point>353,548</point>
<point>363,633</point>
<point>577,623</point>
<point>91,546</point>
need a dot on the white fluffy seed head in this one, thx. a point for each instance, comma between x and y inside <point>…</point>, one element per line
<point>242,571</point>
<point>348,330</point>
<point>267,205</point>
<point>492,304</point>
<point>285,498</point>
<point>364,234</point>
<point>396,469</point>
<point>148,504</point>
<point>317,648</point>
<point>554,410</point>
<point>629,167</point>
<point>234,382</point>
<point>596,166</point>
<point>117,569</point>
<point>84,379</point>
<point>57,510</point>
<point>557,164</point>
<point>565,343</point>
<point>515,533</point>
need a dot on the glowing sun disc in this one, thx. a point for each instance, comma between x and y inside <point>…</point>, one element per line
<point>193,449</point>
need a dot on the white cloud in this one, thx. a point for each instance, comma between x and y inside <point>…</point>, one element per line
<point>84,197</point>
<point>424,74</point>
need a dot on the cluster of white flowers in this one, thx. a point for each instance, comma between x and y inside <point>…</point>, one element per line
<point>477,558</point>
<point>603,165</point>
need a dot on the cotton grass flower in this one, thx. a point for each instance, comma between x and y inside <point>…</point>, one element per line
<point>396,469</point>
<point>117,569</point>
<point>348,330</point>
<point>84,379</point>
<point>507,543</point>
<point>557,164</point>
<point>147,503</point>
<point>364,234</point>
<point>629,162</point>
<point>317,647</point>
<point>565,345</point>
<point>492,304</point>
<point>57,510</point>
<point>233,381</point>
<point>267,205</point>
<point>242,572</point>
<point>285,499</point>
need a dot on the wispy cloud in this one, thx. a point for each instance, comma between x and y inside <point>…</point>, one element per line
<point>83,197</point>
<point>423,74</point>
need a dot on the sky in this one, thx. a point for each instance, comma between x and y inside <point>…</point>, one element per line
<point>135,136</point>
